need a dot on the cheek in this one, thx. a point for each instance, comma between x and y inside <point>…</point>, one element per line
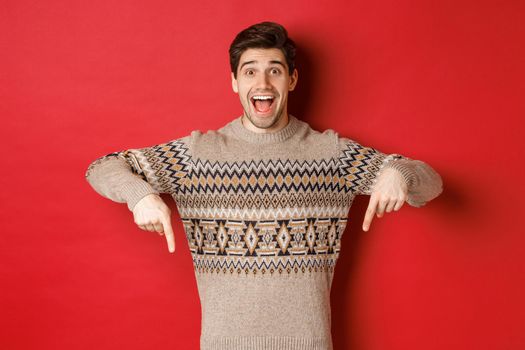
<point>283,85</point>
<point>244,91</point>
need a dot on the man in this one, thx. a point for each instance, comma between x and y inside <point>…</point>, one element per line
<point>264,202</point>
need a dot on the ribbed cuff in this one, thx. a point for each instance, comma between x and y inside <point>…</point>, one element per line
<point>405,170</point>
<point>134,191</point>
<point>265,342</point>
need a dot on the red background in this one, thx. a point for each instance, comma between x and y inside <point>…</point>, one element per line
<point>440,81</point>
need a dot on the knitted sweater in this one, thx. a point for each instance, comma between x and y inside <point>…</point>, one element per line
<point>264,215</point>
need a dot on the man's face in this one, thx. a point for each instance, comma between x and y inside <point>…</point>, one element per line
<point>263,82</point>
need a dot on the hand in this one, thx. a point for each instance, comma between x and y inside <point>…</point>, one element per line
<point>390,192</point>
<point>152,214</point>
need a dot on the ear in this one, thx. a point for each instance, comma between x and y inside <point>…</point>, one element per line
<point>293,80</point>
<point>235,87</point>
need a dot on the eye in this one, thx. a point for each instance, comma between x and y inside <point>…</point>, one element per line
<point>249,72</point>
<point>275,71</point>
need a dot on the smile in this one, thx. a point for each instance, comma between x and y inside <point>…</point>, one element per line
<point>262,103</point>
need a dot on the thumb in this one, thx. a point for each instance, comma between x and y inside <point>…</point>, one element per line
<point>168,232</point>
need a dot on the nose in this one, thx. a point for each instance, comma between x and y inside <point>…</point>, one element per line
<point>263,81</point>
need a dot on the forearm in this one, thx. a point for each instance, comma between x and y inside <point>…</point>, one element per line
<point>424,183</point>
<point>113,178</point>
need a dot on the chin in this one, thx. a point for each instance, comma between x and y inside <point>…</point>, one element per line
<point>264,122</point>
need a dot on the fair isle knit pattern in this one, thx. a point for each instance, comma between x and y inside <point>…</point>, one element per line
<point>264,216</point>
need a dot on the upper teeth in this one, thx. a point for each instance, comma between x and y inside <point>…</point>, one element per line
<point>262,97</point>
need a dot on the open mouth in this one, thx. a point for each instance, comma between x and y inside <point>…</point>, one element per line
<point>262,103</point>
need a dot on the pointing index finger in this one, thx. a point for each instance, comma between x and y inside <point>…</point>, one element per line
<point>168,232</point>
<point>370,212</point>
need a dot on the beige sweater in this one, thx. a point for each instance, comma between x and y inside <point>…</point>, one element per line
<point>263,215</point>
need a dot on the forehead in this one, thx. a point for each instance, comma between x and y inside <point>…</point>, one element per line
<point>262,56</point>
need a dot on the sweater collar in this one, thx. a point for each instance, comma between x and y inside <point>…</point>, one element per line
<point>240,131</point>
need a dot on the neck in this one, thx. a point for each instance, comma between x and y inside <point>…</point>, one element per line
<point>280,124</point>
<point>240,131</point>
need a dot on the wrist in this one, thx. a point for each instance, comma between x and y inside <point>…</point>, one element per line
<point>136,191</point>
<point>405,171</point>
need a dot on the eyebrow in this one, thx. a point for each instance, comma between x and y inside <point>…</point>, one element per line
<point>254,61</point>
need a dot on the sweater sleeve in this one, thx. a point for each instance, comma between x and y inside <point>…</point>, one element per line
<point>361,165</point>
<point>129,175</point>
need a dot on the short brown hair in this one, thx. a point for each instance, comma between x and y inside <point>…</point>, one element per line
<point>266,35</point>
